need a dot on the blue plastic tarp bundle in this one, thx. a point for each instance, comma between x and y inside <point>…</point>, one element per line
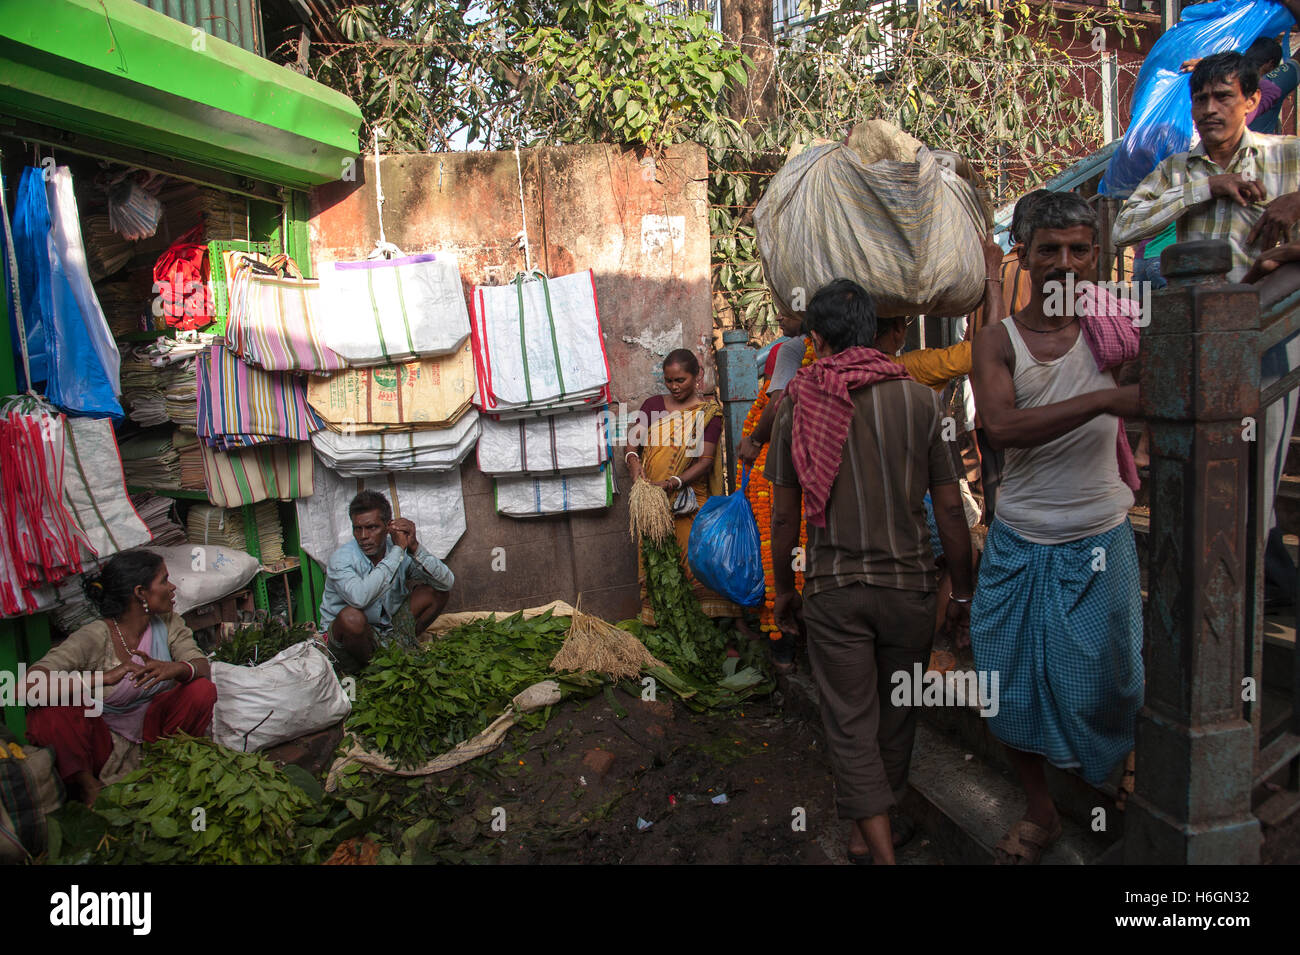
<point>60,343</point>
<point>1161,124</point>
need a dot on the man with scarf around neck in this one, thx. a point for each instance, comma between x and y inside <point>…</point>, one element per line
<point>1058,613</point>
<point>859,443</point>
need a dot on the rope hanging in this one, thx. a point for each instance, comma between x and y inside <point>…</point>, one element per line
<point>523,214</point>
<point>383,248</point>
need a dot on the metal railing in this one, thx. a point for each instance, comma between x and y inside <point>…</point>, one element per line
<point>1206,746</point>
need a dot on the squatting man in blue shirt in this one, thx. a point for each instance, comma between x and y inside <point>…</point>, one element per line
<point>380,587</point>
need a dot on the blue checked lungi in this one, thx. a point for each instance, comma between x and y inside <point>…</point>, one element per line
<point>1066,643</point>
<point>936,545</point>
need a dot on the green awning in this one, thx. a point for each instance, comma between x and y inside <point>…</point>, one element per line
<point>119,72</point>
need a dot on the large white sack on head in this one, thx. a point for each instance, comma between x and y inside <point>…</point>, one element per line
<point>565,442</point>
<point>908,232</point>
<point>377,452</point>
<point>431,500</point>
<point>290,695</point>
<point>203,573</point>
<point>562,494</point>
<point>391,310</point>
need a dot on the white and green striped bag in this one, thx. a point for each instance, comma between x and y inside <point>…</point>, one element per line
<point>538,343</point>
<point>559,494</point>
<point>393,310</point>
<point>552,444</point>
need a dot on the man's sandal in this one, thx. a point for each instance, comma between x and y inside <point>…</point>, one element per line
<point>1024,843</point>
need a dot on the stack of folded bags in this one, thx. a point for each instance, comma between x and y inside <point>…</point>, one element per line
<point>190,450</point>
<point>240,406</point>
<point>149,459</point>
<point>435,449</point>
<point>158,514</point>
<point>225,527</point>
<point>543,386</point>
<point>539,347</point>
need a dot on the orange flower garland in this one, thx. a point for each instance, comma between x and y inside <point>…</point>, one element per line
<point>759,495</point>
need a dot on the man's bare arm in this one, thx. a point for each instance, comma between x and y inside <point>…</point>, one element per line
<point>787,502</point>
<point>1007,426</point>
<point>954,534</point>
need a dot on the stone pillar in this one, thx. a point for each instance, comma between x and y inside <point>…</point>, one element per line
<point>1195,751</point>
<point>738,386</point>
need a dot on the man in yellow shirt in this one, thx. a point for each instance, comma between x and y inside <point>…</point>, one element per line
<point>932,367</point>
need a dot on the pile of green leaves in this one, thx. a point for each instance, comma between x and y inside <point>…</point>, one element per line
<point>415,704</point>
<point>251,812</point>
<point>690,643</point>
<point>259,642</point>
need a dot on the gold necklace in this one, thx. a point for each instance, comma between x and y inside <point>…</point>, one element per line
<point>121,639</point>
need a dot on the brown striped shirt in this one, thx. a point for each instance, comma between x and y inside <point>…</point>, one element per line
<point>875,529</point>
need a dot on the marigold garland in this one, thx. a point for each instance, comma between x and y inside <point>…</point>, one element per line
<point>759,495</point>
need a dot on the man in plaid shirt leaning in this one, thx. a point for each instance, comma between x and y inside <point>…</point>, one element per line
<point>1240,186</point>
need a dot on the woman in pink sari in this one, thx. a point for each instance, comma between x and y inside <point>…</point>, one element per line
<point>155,679</point>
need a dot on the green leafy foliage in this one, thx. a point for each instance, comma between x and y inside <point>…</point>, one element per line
<point>693,646</point>
<point>251,812</point>
<point>257,643</point>
<point>414,705</point>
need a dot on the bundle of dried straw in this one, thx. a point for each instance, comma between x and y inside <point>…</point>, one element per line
<point>592,645</point>
<point>649,516</point>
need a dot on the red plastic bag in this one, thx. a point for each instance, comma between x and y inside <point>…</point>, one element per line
<point>180,278</point>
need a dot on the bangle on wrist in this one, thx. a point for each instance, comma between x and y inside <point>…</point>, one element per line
<point>631,454</point>
<point>677,478</point>
<point>193,672</point>
<point>959,600</point>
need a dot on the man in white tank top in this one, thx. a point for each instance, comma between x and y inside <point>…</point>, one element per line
<point>1057,613</point>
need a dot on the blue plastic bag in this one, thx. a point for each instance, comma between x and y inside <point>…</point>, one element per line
<point>1161,124</point>
<point>60,344</point>
<point>723,549</point>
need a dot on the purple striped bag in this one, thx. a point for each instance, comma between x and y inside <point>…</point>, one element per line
<point>272,322</point>
<point>242,406</point>
<point>249,475</point>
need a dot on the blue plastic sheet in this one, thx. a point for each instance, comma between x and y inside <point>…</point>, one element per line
<point>28,279</point>
<point>1161,124</point>
<point>76,379</point>
<point>723,549</point>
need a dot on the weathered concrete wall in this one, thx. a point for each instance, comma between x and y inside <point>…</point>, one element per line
<point>643,230</point>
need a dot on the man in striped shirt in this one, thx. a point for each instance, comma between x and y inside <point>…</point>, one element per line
<point>1240,186</point>
<point>864,443</point>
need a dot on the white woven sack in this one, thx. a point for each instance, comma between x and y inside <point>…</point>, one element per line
<point>562,494</point>
<point>361,455</point>
<point>431,500</point>
<point>391,310</point>
<point>538,340</point>
<point>94,487</point>
<point>203,573</point>
<point>549,445</point>
<point>907,232</point>
<point>290,695</point>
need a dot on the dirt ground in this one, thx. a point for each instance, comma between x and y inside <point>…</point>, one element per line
<point>581,789</point>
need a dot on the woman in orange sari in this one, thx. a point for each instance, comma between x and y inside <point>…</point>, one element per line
<point>678,450</point>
